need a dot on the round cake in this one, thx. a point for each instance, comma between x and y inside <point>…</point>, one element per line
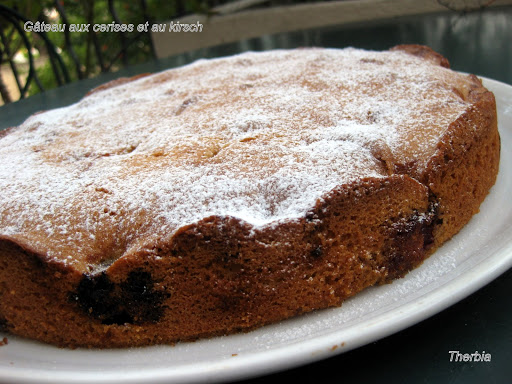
<point>236,192</point>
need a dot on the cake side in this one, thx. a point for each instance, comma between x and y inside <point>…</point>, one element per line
<point>221,273</point>
<point>465,165</point>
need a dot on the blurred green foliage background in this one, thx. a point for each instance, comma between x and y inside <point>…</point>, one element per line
<point>90,52</point>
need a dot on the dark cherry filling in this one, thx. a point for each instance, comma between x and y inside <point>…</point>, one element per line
<point>3,325</point>
<point>132,301</point>
<point>412,238</point>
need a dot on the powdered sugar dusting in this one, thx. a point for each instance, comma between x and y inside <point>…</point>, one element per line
<point>258,136</point>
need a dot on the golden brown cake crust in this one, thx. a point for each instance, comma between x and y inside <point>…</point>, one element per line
<point>157,270</point>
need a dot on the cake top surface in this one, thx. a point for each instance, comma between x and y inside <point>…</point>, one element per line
<point>257,136</point>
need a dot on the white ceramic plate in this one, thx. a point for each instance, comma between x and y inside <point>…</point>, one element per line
<point>477,255</point>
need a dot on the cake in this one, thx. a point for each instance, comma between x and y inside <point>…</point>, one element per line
<point>236,192</point>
